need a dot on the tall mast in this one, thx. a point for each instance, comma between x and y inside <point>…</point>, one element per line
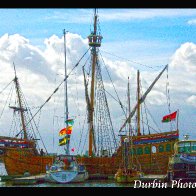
<point>138,103</point>
<point>177,118</point>
<point>130,146</point>
<point>65,89</point>
<point>94,42</point>
<point>143,97</point>
<point>129,108</point>
<point>21,109</point>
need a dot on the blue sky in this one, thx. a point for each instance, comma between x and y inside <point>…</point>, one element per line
<point>164,30</point>
<point>170,25</point>
<point>132,39</point>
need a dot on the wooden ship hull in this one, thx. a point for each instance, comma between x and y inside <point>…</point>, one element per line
<point>100,126</point>
<point>150,162</point>
<point>19,161</point>
<point>100,167</point>
<point>153,151</point>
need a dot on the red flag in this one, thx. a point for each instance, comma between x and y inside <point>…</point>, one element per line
<point>62,132</point>
<point>65,131</point>
<point>169,117</point>
<point>72,149</point>
<point>69,130</point>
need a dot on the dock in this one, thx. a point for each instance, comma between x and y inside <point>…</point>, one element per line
<point>37,179</point>
<point>24,180</point>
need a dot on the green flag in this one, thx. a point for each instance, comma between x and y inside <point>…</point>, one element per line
<point>70,122</point>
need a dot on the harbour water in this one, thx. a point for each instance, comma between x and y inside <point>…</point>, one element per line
<point>89,183</point>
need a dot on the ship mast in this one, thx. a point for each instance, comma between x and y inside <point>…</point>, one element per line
<point>94,42</point>
<point>129,123</point>
<point>129,108</point>
<point>141,100</point>
<point>138,103</point>
<point>21,109</point>
<point>65,89</point>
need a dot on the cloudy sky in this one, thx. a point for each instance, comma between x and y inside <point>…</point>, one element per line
<point>133,39</point>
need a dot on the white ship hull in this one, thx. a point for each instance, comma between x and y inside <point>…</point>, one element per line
<point>66,176</point>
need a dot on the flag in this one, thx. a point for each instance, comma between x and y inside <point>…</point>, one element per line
<point>62,132</point>
<point>69,130</point>
<point>72,149</point>
<point>70,122</point>
<point>64,140</point>
<point>65,130</point>
<point>169,117</point>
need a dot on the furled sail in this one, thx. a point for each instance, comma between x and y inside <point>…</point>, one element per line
<point>142,98</point>
<point>88,104</point>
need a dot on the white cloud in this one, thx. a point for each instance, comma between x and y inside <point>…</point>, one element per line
<point>185,58</point>
<point>37,71</point>
<point>130,14</point>
<point>192,22</point>
<point>86,15</point>
<point>183,70</point>
<point>17,49</point>
<point>54,52</point>
<point>192,100</point>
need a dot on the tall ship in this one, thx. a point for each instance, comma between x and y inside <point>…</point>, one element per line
<point>104,156</point>
<point>151,151</point>
<point>21,153</point>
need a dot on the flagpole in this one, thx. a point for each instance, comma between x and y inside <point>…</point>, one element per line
<point>65,96</point>
<point>177,118</point>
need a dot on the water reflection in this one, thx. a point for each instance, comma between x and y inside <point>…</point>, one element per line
<point>90,183</point>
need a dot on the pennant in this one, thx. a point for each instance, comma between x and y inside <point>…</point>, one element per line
<point>169,117</point>
<point>62,132</point>
<point>70,122</point>
<point>64,140</point>
<point>69,130</point>
<point>65,130</point>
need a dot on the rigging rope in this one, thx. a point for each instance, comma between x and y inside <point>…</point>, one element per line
<point>143,97</point>
<point>145,111</point>
<point>153,120</point>
<point>82,132</point>
<point>9,96</point>
<point>167,92</point>
<point>145,108</point>
<point>55,89</point>
<point>58,125</point>
<point>6,86</point>
<point>151,127</point>
<point>53,122</point>
<point>113,86</point>
<point>168,98</point>
<point>35,124</point>
<point>12,123</point>
<point>142,120</point>
<point>84,142</point>
<point>133,61</point>
<point>103,123</point>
